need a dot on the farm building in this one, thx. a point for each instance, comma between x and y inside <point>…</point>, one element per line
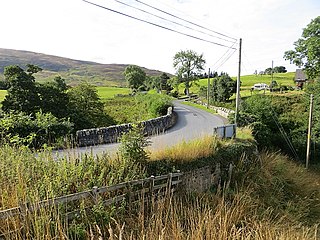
<point>300,78</point>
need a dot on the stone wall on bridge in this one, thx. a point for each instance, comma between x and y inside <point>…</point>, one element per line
<point>95,136</point>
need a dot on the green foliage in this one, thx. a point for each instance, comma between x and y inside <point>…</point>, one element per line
<point>54,98</point>
<point>42,129</point>
<point>277,121</point>
<point>223,88</point>
<point>188,65</point>
<point>280,69</point>
<point>87,110</point>
<point>307,50</point>
<point>22,94</point>
<point>135,77</point>
<point>157,105</point>
<point>132,148</point>
<point>133,109</point>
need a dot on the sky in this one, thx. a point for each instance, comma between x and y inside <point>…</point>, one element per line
<point>78,30</point>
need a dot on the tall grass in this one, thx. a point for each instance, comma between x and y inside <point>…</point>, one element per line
<point>259,205</point>
<point>26,177</point>
<point>269,198</point>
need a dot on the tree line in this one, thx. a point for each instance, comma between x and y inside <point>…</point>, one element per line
<point>37,113</point>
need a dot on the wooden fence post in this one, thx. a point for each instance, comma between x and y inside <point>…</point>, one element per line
<point>95,194</point>
<point>169,184</point>
<point>129,196</point>
<point>23,219</point>
<point>151,187</point>
<point>229,175</point>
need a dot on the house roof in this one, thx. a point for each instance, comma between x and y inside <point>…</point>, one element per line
<point>300,76</point>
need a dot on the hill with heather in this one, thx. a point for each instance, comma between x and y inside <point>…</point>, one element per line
<point>74,71</point>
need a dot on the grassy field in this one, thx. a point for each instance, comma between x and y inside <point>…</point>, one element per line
<point>104,92</point>
<point>110,92</point>
<point>2,94</point>
<point>283,79</point>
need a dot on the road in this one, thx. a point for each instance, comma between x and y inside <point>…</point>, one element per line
<point>192,123</point>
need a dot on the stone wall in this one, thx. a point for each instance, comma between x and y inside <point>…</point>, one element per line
<point>224,112</point>
<point>201,179</point>
<point>95,136</point>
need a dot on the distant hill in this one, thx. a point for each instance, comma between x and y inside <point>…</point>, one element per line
<point>73,71</point>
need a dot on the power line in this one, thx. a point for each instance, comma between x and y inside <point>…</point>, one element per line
<point>226,58</point>
<point>174,22</point>
<point>283,132</point>
<point>154,24</point>
<point>172,15</point>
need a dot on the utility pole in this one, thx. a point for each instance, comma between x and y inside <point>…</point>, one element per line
<point>238,85</point>
<point>309,131</point>
<point>208,90</point>
<point>272,76</point>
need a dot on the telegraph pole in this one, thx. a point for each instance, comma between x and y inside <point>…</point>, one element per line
<point>271,76</point>
<point>208,91</point>
<point>238,85</point>
<point>309,131</point>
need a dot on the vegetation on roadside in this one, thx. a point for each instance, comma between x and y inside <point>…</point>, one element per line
<point>268,195</point>
<point>133,109</point>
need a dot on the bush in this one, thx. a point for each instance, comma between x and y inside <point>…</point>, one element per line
<point>33,131</point>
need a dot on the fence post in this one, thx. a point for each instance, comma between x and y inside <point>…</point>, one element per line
<point>229,175</point>
<point>151,186</point>
<point>95,194</point>
<point>169,184</point>
<point>23,218</point>
<point>129,196</point>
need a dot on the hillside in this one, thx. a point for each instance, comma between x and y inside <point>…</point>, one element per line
<point>72,70</point>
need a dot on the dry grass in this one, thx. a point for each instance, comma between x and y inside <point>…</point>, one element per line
<point>273,198</point>
<point>188,151</point>
<point>263,206</point>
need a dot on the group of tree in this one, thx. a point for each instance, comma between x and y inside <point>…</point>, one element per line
<point>222,87</point>
<point>269,71</point>
<point>73,108</point>
<point>138,80</point>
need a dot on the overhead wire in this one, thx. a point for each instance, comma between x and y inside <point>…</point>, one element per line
<point>283,132</point>
<point>174,22</point>
<point>216,66</point>
<point>195,24</point>
<point>156,25</point>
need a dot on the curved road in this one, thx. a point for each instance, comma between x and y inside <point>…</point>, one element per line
<point>192,123</point>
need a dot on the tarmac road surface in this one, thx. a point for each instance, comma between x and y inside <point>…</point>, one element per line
<point>192,123</point>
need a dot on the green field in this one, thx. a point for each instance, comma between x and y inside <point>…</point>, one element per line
<point>2,94</point>
<point>283,79</point>
<point>104,92</point>
<point>110,92</point>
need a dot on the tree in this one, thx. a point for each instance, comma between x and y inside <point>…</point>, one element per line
<point>86,108</point>
<point>22,92</point>
<point>188,65</point>
<point>280,69</point>
<point>268,71</point>
<point>54,98</point>
<point>160,83</point>
<point>223,87</point>
<point>307,50</point>
<point>135,77</point>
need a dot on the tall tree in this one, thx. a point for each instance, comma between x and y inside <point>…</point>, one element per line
<point>223,87</point>
<point>307,50</point>
<point>87,110</point>
<point>188,65</point>
<point>135,77</point>
<point>22,93</point>
<point>54,98</point>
